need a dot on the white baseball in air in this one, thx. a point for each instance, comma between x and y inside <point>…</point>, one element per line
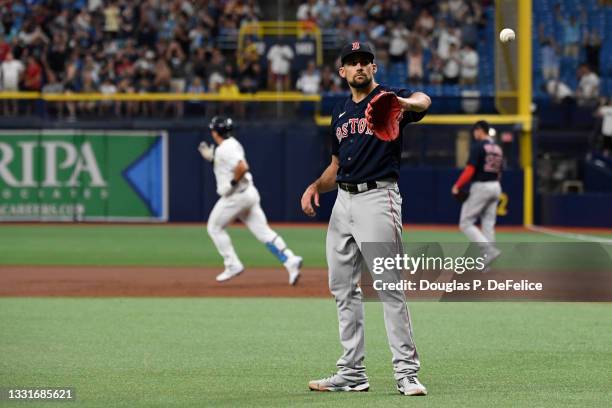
<point>507,34</point>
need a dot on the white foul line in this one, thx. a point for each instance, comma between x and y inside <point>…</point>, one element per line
<point>570,235</point>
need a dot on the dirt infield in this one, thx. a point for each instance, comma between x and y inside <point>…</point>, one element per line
<point>139,281</point>
<point>102,281</point>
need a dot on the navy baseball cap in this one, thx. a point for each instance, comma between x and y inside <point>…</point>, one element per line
<point>481,124</point>
<point>356,48</point>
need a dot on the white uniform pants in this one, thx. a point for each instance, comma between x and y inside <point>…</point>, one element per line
<point>239,205</point>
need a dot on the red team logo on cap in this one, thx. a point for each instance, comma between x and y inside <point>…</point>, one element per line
<point>355,46</point>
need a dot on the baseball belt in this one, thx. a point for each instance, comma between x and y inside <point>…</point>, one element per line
<point>363,187</point>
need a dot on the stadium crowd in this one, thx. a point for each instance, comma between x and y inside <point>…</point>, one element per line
<point>577,48</point>
<point>132,46</point>
<point>436,41</point>
<point>111,46</point>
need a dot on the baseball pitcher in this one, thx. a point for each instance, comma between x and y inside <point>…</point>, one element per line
<point>366,146</point>
<point>239,200</point>
<point>484,169</point>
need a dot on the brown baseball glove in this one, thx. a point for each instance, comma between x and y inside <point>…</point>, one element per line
<point>461,196</point>
<point>383,116</point>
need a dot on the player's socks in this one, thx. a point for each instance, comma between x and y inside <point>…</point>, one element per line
<point>279,249</point>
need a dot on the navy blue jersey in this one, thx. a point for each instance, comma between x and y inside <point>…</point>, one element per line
<point>487,158</point>
<point>362,156</point>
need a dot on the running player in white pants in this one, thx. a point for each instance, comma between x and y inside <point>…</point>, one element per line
<point>483,168</point>
<point>239,200</point>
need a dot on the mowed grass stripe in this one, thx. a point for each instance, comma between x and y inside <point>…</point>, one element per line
<point>174,245</point>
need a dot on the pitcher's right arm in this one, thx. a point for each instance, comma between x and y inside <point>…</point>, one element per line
<point>325,183</point>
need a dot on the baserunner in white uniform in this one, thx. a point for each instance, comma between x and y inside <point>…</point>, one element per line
<point>239,200</point>
<point>483,169</point>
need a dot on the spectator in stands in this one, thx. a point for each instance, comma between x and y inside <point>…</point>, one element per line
<point>57,52</point>
<point>571,35</point>
<point>143,83</point>
<point>11,72</point>
<point>111,19</point>
<point>476,9</point>
<point>5,47</point>
<point>469,32</point>
<point>377,33</point>
<point>358,21</point>
<point>452,65</point>
<point>435,70</point>
<point>179,74</point>
<point>358,35</point>
<point>309,80</point>
<point>343,35</point>
<point>106,88</point>
<point>396,10</point>
<point>324,11</point>
<point>129,108</point>
<point>88,86</point>
<point>444,37</point>
<point>163,76</point>
<point>307,11</point>
<point>550,59</point>
<point>469,65</point>
<point>54,86</point>
<point>398,42</point>
<point>559,91</point>
<point>279,72</point>
<point>145,64</point>
<point>33,76</point>
<point>329,81</point>
<point>415,62</point>
<point>342,11</point>
<point>215,70</point>
<point>91,67</point>
<point>199,63</point>
<point>425,22</point>
<point>251,78</point>
<point>587,92</point>
<point>250,52</point>
<point>72,83</point>
<point>229,88</point>
<point>196,86</point>
<point>458,9</point>
<point>32,35</point>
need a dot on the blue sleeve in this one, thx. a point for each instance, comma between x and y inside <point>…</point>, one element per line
<point>476,153</point>
<point>409,117</point>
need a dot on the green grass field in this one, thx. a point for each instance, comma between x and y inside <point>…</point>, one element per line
<point>262,352</point>
<point>181,245</point>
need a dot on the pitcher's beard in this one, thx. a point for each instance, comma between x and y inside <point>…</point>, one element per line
<point>361,85</point>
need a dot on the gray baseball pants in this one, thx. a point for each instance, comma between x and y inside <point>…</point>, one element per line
<point>371,216</point>
<point>481,203</point>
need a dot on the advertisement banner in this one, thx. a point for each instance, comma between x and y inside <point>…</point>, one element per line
<point>83,175</point>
